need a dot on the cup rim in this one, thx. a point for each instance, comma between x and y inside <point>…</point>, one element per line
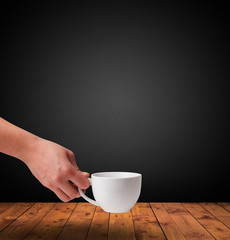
<point>133,175</point>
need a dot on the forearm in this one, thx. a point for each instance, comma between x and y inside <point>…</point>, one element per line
<point>16,142</point>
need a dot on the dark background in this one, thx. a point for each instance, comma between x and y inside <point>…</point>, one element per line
<point>134,87</point>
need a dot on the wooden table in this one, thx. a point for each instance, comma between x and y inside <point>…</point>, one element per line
<point>85,221</point>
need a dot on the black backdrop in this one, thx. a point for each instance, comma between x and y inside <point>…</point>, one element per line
<point>135,87</point>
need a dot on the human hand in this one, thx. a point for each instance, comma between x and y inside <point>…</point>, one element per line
<point>55,167</point>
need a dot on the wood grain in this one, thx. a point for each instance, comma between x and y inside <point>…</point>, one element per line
<point>171,230</point>
<point>53,222</point>
<point>67,221</point>
<point>121,226</point>
<point>225,205</point>
<point>189,226</point>
<point>99,226</point>
<point>24,224</point>
<point>145,223</point>
<point>218,211</point>
<point>12,213</point>
<point>4,206</point>
<point>213,226</point>
<point>79,222</point>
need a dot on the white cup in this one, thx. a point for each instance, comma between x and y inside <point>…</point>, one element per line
<point>114,192</point>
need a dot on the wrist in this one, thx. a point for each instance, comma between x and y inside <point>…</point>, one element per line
<point>30,148</point>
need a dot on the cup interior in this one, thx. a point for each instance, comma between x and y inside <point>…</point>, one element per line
<point>116,175</point>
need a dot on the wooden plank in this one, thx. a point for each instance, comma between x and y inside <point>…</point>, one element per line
<point>4,206</point>
<point>169,227</point>
<point>213,226</point>
<point>99,226</point>
<point>188,225</point>
<point>53,222</point>
<point>219,212</point>
<point>121,226</point>
<point>225,205</point>
<point>12,213</point>
<point>64,221</point>
<point>26,222</point>
<point>79,222</point>
<point>145,223</point>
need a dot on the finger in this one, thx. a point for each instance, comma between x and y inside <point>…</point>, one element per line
<point>71,158</point>
<point>83,190</point>
<point>79,179</point>
<point>61,195</point>
<point>69,189</point>
<point>85,174</point>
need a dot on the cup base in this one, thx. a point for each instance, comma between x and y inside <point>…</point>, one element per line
<point>123,211</point>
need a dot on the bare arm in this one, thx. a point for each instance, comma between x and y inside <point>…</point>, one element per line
<point>53,165</point>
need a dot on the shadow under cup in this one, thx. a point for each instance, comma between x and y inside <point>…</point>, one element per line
<point>115,192</point>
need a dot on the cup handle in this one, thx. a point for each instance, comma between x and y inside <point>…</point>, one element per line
<point>87,198</point>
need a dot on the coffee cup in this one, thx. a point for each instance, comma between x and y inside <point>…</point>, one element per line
<point>114,192</point>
